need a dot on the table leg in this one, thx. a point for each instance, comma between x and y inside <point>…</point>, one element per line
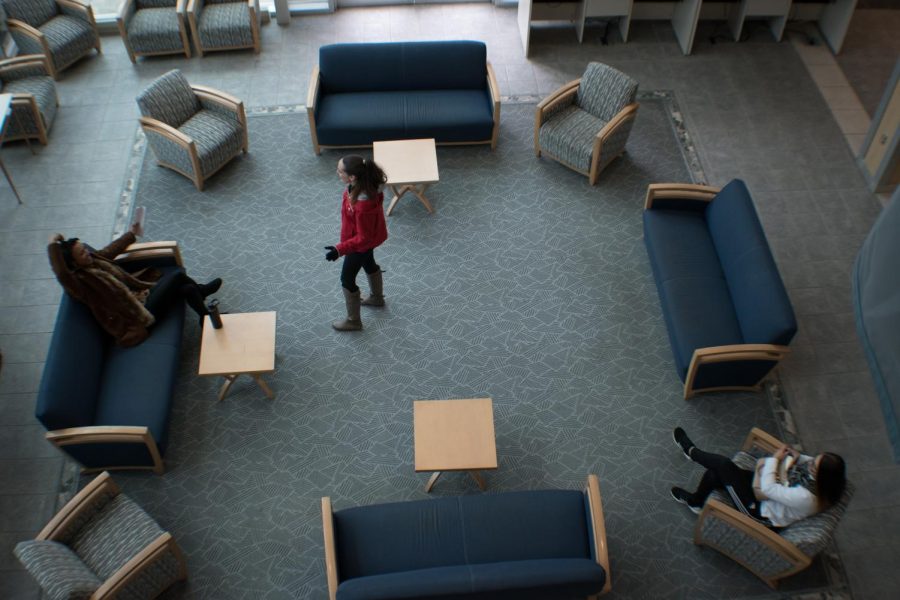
<point>10,181</point>
<point>229,379</point>
<point>265,388</point>
<point>476,475</point>
<point>431,481</point>
<point>396,197</point>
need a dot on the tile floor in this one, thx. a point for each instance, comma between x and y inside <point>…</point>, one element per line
<point>815,216</point>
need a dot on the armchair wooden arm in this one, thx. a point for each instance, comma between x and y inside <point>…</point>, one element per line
<point>312,96</point>
<point>135,567</point>
<point>79,6</point>
<point>621,119</point>
<point>26,60</point>
<point>145,250</point>
<point>227,101</point>
<point>754,530</point>
<point>598,526</point>
<point>151,125</point>
<point>757,438</point>
<point>32,32</point>
<point>495,98</point>
<point>679,191</point>
<point>110,434</point>
<point>731,353</point>
<point>253,7</point>
<point>562,94</point>
<point>82,501</point>
<point>331,572</point>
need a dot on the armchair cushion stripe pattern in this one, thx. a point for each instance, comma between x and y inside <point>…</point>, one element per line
<point>216,137</point>
<point>58,570</point>
<point>31,12</point>
<point>34,97</point>
<point>69,39</point>
<point>225,25</point>
<point>585,124</point>
<point>153,27</point>
<point>169,99</point>
<point>123,552</point>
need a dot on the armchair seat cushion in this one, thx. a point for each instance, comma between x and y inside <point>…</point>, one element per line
<point>44,91</point>
<point>114,535</point>
<point>59,571</point>
<point>225,25</point>
<point>155,30</point>
<point>446,115</point>
<point>69,38</point>
<point>218,138</point>
<point>569,136</point>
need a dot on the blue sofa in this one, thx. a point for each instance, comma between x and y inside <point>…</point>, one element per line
<point>363,93</point>
<point>105,405</point>
<point>726,309</point>
<point>522,545</point>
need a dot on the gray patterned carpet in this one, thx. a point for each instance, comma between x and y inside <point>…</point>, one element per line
<point>526,285</point>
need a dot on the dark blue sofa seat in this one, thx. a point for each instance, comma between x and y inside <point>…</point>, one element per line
<point>726,310</point>
<point>537,544</point>
<point>362,93</point>
<point>90,385</point>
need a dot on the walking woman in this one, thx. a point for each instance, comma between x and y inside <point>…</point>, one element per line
<point>784,488</point>
<point>362,230</point>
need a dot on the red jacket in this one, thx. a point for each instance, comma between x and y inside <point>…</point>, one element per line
<point>362,225</point>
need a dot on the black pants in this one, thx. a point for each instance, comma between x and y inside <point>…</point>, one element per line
<point>174,286</point>
<point>355,261</point>
<point>723,474</point>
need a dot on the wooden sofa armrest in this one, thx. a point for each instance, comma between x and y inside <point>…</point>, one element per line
<point>312,97</point>
<point>714,509</point>
<point>331,569</point>
<point>757,438</point>
<point>145,250</point>
<point>679,191</point>
<point>110,434</point>
<point>598,526</point>
<point>730,353</point>
<point>82,501</point>
<point>495,99</point>
<point>134,568</point>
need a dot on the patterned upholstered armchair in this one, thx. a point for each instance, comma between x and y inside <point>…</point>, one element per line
<point>153,27</point>
<point>770,555</point>
<point>102,545</point>
<point>194,130</point>
<point>61,30</point>
<point>224,24</point>
<point>34,99</point>
<point>585,123</point>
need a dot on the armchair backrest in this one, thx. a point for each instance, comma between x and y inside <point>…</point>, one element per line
<point>169,99</point>
<point>812,534</point>
<point>604,91</point>
<point>33,12</point>
<point>156,3</point>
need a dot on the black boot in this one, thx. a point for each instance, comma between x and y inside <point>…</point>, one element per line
<point>210,288</point>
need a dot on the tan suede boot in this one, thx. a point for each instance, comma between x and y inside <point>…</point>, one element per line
<point>352,322</point>
<point>376,297</point>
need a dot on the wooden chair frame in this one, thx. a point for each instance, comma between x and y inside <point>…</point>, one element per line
<point>27,100</point>
<point>564,94</point>
<point>35,34</point>
<point>598,528</point>
<point>151,125</point>
<point>123,31</point>
<point>254,29</point>
<point>312,96</point>
<point>712,354</point>
<point>83,501</point>
<point>714,509</point>
<point>122,434</point>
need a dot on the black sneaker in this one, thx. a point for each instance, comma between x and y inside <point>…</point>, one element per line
<point>683,441</point>
<point>683,496</point>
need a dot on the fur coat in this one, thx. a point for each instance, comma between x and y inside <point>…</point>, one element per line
<point>114,296</point>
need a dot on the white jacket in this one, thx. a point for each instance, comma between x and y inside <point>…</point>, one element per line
<point>785,504</point>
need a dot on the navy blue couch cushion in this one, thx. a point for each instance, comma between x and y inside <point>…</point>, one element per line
<point>447,116</point>
<point>529,525</point>
<point>760,299</point>
<point>400,536</point>
<point>75,359</point>
<point>402,66</point>
<point>527,579</point>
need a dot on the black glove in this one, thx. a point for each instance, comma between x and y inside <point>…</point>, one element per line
<point>332,253</point>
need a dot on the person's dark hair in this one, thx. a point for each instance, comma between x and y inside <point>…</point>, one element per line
<point>369,176</point>
<point>65,247</point>
<point>831,479</point>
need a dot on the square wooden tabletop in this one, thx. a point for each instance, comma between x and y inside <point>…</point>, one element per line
<point>407,161</point>
<point>244,344</point>
<point>454,435</point>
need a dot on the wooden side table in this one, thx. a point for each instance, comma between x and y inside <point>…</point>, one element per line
<point>410,166</point>
<point>245,345</point>
<point>454,435</point>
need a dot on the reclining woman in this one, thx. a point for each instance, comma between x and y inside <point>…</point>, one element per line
<point>785,487</point>
<point>124,304</point>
